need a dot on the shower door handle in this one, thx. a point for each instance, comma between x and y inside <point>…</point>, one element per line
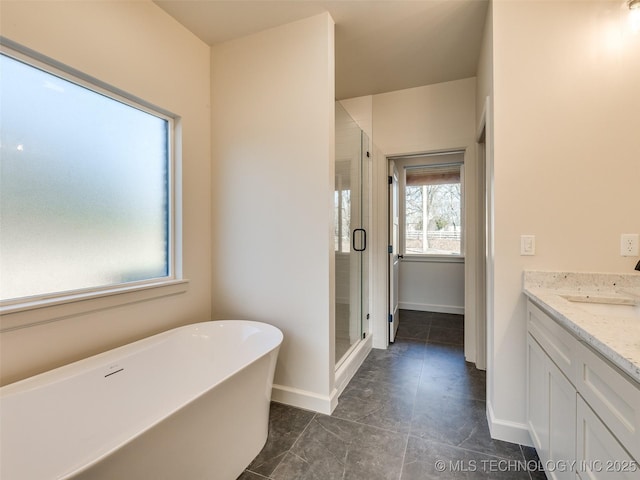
<point>364,240</point>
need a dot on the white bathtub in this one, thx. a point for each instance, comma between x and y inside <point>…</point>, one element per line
<point>190,403</point>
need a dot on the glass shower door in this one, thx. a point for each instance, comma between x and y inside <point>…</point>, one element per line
<point>349,234</point>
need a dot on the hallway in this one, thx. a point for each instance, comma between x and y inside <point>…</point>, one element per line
<point>414,411</point>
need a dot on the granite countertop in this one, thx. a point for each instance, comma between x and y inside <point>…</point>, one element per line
<point>616,337</point>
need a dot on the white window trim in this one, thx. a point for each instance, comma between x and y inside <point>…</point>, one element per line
<point>50,307</point>
<point>39,311</point>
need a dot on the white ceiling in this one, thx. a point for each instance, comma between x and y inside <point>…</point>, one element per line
<point>381,46</point>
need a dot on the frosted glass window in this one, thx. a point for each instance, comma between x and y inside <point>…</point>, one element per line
<point>84,187</point>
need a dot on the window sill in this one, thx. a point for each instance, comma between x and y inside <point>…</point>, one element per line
<point>434,258</point>
<point>44,310</point>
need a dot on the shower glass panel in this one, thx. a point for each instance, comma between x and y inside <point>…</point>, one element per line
<point>350,230</point>
<point>365,218</point>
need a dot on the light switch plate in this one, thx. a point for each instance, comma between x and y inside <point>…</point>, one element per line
<point>629,244</point>
<point>527,244</point>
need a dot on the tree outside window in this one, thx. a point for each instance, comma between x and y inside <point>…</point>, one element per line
<point>433,199</point>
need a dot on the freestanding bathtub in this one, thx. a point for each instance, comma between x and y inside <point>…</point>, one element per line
<point>190,403</point>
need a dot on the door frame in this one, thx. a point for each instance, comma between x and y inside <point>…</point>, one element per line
<point>483,239</point>
<point>394,256</point>
<point>476,284</point>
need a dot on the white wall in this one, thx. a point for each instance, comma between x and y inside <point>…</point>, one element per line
<point>425,119</point>
<point>138,48</point>
<point>484,77</point>
<point>273,174</point>
<point>566,159</point>
<point>432,286</point>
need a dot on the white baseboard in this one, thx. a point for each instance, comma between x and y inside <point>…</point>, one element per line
<point>350,366</point>
<point>508,431</point>
<point>428,307</point>
<point>324,403</point>
<point>304,399</point>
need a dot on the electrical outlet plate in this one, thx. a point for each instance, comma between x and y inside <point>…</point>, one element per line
<point>629,244</point>
<point>527,244</point>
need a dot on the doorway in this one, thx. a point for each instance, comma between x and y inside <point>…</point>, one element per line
<point>469,266</point>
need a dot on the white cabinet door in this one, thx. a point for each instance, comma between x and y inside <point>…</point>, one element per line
<point>562,423</point>
<point>600,456</point>
<point>612,396</point>
<point>538,398</point>
<point>551,412</point>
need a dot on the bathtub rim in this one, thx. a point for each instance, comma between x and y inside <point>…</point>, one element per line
<point>67,370</point>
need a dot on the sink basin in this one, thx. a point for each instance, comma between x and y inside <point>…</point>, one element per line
<point>611,309</point>
<point>606,305</point>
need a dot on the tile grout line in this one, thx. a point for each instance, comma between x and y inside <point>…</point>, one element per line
<point>368,425</point>
<point>294,444</point>
<point>415,400</point>
<point>257,474</point>
<point>492,455</point>
<point>284,454</point>
<point>526,462</point>
<point>456,446</point>
<point>404,456</point>
<point>264,476</point>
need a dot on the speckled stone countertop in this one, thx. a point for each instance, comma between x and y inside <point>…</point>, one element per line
<point>617,338</point>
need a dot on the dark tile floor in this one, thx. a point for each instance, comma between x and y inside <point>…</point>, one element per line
<point>414,411</point>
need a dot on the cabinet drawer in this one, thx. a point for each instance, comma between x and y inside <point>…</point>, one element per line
<point>614,398</point>
<point>559,344</point>
<point>599,454</point>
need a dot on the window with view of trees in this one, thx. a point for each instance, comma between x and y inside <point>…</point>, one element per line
<point>433,215</point>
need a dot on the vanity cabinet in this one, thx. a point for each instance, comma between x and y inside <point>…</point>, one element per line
<point>552,413</point>
<point>582,413</point>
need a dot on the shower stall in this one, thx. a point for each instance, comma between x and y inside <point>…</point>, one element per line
<point>352,200</point>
